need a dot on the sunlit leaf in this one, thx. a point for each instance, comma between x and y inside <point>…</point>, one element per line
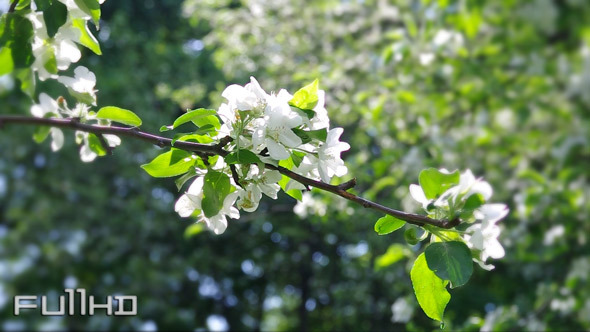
<point>430,290</point>
<point>306,98</point>
<point>119,115</point>
<point>171,163</point>
<point>388,224</point>
<point>215,188</point>
<point>435,182</point>
<point>450,261</point>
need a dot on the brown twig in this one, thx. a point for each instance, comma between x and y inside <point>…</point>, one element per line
<point>13,6</point>
<point>105,144</point>
<point>217,149</point>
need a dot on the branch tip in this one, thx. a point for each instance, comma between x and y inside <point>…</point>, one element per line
<point>347,185</point>
<point>223,142</point>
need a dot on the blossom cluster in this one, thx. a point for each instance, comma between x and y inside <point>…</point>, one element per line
<point>54,50</point>
<point>60,47</point>
<point>49,107</point>
<point>467,199</point>
<point>278,133</point>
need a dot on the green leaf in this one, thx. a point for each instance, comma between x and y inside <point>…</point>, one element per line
<point>434,182</point>
<point>6,63</point>
<point>297,157</point>
<point>171,163</point>
<point>22,4</point>
<point>55,16</point>
<point>119,115</point>
<point>51,63</point>
<point>194,229</point>
<point>193,115</point>
<point>17,34</point>
<point>450,261</point>
<point>388,224</point>
<point>287,163</point>
<point>95,145</point>
<point>308,113</point>
<point>41,134</point>
<point>192,138</point>
<point>430,290</point>
<point>87,39</point>
<point>473,202</point>
<point>27,81</point>
<point>42,4</point>
<point>215,188</point>
<point>411,237</point>
<point>306,98</point>
<point>295,193</point>
<point>184,178</point>
<point>242,157</point>
<point>394,253</point>
<point>307,136</point>
<point>210,120</point>
<point>90,7</point>
<point>84,97</point>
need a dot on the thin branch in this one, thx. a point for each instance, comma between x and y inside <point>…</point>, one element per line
<point>13,6</point>
<point>217,149</point>
<point>105,144</point>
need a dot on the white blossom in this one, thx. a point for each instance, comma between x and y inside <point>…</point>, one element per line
<point>191,200</point>
<point>218,222</point>
<point>57,139</point>
<point>249,197</point>
<point>484,236</point>
<point>83,82</point>
<point>267,181</point>
<point>62,46</point>
<point>250,97</point>
<point>307,168</point>
<point>49,106</point>
<point>188,203</point>
<point>468,185</point>
<point>418,195</point>
<point>426,58</point>
<point>86,153</point>
<point>258,183</point>
<point>275,132</point>
<point>330,163</point>
<point>320,119</point>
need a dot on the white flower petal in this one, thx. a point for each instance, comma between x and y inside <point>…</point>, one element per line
<point>196,187</point>
<point>276,150</point>
<point>493,249</point>
<point>290,139</point>
<point>481,187</point>
<point>185,206</point>
<point>487,267</point>
<point>493,212</point>
<point>87,155</point>
<point>217,223</point>
<point>418,194</point>
<point>67,52</point>
<point>57,137</point>
<point>272,176</point>
<point>112,140</point>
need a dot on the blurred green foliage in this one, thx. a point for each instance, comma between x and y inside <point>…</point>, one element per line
<point>500,87</point>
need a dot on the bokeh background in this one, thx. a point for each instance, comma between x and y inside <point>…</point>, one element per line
<point>500,87</point>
